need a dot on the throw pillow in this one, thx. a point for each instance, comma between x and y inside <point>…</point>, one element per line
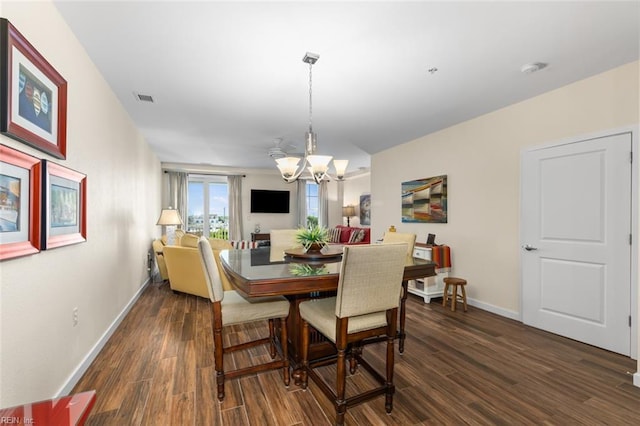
<point>244,244</point>
<point>189,240</point>
<point>334,235</point>
<point>357,235</point>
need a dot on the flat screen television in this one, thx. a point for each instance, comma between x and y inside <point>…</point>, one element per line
<point>269,201</point>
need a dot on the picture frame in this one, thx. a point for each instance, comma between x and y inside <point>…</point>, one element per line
<point>33,96</point>
<point>425,200</point>
<point>365,209</point>
<point>20,208</point>
<point>64,206</point>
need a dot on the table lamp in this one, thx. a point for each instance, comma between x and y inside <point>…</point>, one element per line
<point>170,218</point>
<point>348,212</point>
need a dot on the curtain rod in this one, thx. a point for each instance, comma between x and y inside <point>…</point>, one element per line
<point>204,173</point>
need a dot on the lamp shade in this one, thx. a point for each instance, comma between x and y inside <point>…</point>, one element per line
<point>169,217</point>
<point>348,211</point>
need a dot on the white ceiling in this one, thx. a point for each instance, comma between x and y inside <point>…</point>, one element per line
<point>228,78</point>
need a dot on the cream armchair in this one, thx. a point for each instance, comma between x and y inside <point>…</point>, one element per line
<point>185,270</point>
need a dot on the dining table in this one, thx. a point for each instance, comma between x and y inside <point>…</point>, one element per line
<point>300,276</point>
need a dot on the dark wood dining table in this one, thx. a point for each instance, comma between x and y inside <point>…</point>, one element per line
<point>269,271</point>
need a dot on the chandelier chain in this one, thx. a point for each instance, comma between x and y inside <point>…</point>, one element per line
<point>310,98</point>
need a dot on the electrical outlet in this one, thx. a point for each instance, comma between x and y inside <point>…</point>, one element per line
<point>75,316</point>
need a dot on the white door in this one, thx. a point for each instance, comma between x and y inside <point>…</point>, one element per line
<point>576,250</point>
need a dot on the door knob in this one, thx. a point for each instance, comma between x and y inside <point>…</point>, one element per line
<point>529,247</point>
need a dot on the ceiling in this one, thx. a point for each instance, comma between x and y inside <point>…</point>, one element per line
<point>227,78</point>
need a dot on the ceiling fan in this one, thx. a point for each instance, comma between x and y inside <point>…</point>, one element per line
<point>281,149</point>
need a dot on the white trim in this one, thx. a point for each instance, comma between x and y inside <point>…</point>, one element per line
<point>494,309</point>
<point>636,379</point>
<point>77,374</point>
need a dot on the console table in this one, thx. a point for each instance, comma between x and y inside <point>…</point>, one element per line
<point>430,286</point>
<point>263,239</point>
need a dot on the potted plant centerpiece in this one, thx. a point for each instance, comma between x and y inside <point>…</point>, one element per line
<point>313,238</point>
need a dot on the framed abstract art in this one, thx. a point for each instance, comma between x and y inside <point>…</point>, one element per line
<point>365,209</point>
<point>33,96</point>
<point>20,208</point>
<point>425,200</point>
<point>64,206</point>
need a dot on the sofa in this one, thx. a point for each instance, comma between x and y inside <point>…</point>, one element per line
<point>183,267</point>
<point>349,235</point>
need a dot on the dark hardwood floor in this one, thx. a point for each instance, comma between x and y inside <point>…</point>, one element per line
<point>458,368</point>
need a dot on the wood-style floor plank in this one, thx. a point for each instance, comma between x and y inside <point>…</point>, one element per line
<point>472,368</point>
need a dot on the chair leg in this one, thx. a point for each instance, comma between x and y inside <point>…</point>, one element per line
<point>356,350</point>
<point>454,297</point>
<point>305,352</point>
<point>445,295</point>
<point>464,298</point>
<point>388,396</point>
<point>285,350</point>
<point>341,370</point>
<point>391,333</point>
<point>219,362</point>
<point>272,339</point>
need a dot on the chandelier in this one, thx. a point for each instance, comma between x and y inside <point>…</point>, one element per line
<point>318,165</point>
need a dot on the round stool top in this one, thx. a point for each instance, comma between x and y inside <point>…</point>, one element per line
<point>454,280</point>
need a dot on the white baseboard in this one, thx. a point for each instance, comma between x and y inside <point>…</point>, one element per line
<point>636,379</point>
<point>494,309</point>
<point>93,353</point>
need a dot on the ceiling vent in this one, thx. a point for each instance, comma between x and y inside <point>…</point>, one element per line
<point>143,98</point>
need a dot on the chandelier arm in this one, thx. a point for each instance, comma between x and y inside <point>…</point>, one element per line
<point>297,175</point>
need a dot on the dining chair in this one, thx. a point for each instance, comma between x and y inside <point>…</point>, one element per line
<point>284,238</point>
<point>229,308</point>
<point>365,306</point>
<point>410,239</point>
<point>400,237</point>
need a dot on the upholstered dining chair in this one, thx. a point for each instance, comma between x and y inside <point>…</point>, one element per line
<point>280,241</point>
<point>365,306</point>
<point>394,238</point>
<point>400,237</point>
<point>285,238</point>
<point>228,308</point>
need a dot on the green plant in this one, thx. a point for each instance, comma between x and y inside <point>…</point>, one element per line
<point>304,270</point>
<point>312,235</point>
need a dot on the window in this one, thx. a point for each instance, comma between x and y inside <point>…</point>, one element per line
<point>312,203</point>
<point>208,206</point>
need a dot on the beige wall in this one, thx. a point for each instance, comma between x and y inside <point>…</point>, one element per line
<point>481,158</point>
<point>40,350</point>
<point>353,189</point>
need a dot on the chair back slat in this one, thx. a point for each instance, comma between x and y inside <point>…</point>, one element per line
<point>211,274</point>
<point>370,279</point>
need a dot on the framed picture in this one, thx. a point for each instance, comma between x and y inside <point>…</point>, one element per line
<point>33,96</point>
<point>20,209</point>
<point>365,209</point>
<point>64,206</point>
<point>425,200</point>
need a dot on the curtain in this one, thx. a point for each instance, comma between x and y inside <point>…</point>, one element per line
<point>235,207</point>
<point>178,193</point>
<point>323,204</point>
<point>301,202</point>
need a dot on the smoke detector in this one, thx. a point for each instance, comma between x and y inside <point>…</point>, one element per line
<point>533,67</point>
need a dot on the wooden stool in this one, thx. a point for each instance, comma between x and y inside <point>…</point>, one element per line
<point>454,283</point>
